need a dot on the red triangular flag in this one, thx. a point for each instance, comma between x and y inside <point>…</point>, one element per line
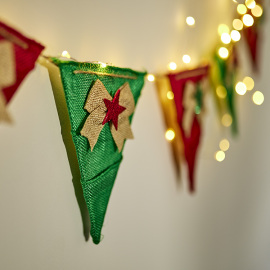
<point>18,55</point>
<point>252,38</point>
<point>188,97</point>
<point>252,34</point>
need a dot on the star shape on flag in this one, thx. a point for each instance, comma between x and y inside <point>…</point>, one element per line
<point>113,110</point>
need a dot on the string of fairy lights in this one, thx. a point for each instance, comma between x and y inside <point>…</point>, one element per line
<point>228,35</point>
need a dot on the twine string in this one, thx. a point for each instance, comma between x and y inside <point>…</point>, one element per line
<point>104,74</point>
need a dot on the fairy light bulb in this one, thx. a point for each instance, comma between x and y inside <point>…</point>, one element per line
<point>225,38</point>
<point>150,77</point>
<point>235,35</point>
<point>250,3</point>
<point>240,88</point>
<point>190,21</point>
<point>221,92</point>
<point>170,134</point>
<point>241,9</point>
<point>220,156</point>
<point>223,28</point>
<point>226,120</point>
<point>170,95</point>
<point>257,11</point>
<point>186,58</point>
<point>238,24</point>
<point>103,65</point>
<point>65,54</point>
<point>223,52</point>
<point>248,20</point>
<point>249,82</point>
<point>224,145</point>
<point>258,98</point>
<point>172,66</point>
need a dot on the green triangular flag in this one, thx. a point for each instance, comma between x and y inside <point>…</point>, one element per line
<point>92,93</point>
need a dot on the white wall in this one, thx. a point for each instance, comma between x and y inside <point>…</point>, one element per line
<point>150,224</point>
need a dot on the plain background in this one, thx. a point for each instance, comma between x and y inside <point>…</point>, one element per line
<point>150,223</point>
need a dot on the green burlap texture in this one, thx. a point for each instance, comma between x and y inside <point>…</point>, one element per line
<point>98,168</point>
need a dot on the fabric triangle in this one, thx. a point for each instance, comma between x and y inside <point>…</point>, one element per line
<point>226,77</point>
<point>166,99</point>
<point>185,88</point>
<point>98,165</point>
<point>19,58</point>
<point>252,38</point>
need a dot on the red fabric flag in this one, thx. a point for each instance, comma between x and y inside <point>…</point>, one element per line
<point>189,103</point>
<point>252,38</point>
<point>18,55</point>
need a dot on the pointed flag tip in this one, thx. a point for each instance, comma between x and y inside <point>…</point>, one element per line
<point>97,193</point>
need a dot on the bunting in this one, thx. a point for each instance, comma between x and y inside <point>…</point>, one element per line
<point>100,103</point>
<point>166,97</point>
<point>96,103</point>
<point>223,78</point>
<point>189,92</point>
<point>18,55</point>
<point>252,33</point>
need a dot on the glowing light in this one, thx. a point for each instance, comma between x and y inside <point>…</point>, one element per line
<point>237,24</point>
<point>170,134</point>
<point>250,3</point>
<point>226,120</point>
<point>170,95</point>
<point>186,59</point>
<point>220,156</point>
<point>223,28</point>
<point>190,21</point>
<point>225,38</point>
<point>172,66</point>
<point>224,145</point>
<point>258,98</point>
<point>248,20</point>
<point>223,52</point>
<point>103,65</point>
<point>249,83</point>
<point>240,88</point>
<point>241,9</point>
<point>65,54</point>
<point>150,77</point>
<point>235,35</point>
<point>257,11</point>
<point>221,91</point>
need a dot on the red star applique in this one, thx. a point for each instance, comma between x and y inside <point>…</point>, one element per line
<point>113,110</point>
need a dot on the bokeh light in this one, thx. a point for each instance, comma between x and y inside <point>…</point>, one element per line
<point>220,156</point>
<point>223,53</point>
<point>170,134</point>
<point>240,88</point>
<point>224,145</point>
<point>258,98</point>
<point>248,20</point>
<point>150,77</point>
<point>221,91</point>
<point>226,120</point>
<point>249,82</point>
<point>170,95</point>
<point>190,21</point>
